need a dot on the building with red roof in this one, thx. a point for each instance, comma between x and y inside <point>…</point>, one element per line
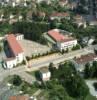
<point>80,62</point>
<point>59,15</point>
<point>63,41</point>
<point>14,45</point>
<point>16,52</point>
<point>18,98</point>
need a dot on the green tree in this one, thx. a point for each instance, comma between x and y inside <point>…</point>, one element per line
<point>16,80</point>
<point>87,71</point>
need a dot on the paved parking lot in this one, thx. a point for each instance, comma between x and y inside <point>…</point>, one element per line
<point>31,47</point>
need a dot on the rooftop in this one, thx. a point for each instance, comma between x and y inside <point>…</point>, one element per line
<point>86,58</point>
<point>14,45</point>
<point>58,36</point>
<point>18,98</point>
<point>44,70</point>
<point>58,14</point>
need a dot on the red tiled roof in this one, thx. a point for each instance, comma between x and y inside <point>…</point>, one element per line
<point>14,45</point>
<point>18,98</point>
<point>86,58</point>
<point>78,16</point>
<point>57,14</point>
<point>57,36</point>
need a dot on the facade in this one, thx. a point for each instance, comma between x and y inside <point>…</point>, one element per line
<point>19,36</point>
<point>45,74</point>
<point>62,41</point>
<point>14,3</point>
<point>46,1</point>
<point>17,54</point>
<point>83,60</point>
<point>10,63</point>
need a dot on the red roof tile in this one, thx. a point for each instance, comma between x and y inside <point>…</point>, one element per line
<point>14,45</point>
<point>57,14</point>
<point>18,98</point>
<point>86,58</point>
<point>57,36</point>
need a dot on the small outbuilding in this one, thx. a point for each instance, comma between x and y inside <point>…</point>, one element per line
<point>45,74</point>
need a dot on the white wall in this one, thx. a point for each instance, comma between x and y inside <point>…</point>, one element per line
<point>45,76</point>
<point>11,63</point>
<point>65,45</point>
<point>20,37</point>
<point>20,57</point>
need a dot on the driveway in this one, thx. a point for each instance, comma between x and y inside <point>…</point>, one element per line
<point>91,88</point>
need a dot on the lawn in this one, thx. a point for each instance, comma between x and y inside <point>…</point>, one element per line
<point>90,97</point>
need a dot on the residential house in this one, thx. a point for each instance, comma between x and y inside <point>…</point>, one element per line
<point>81,61</point>
<point>88,40</point>
<point>59,15</point>
<point>46,1</point>
<point>80,21</point>
<point>45,74</point>
<point>73,4</point>
<point>19,98</point>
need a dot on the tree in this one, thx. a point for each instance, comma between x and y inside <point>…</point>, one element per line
<point>87,71</point>
<point>94,70</point>
<point>73,83</point>
<point>31,30</point>
<point>56,91</point>
<point>83,2</point>
<point>52,70</point>
<point>95,85</point>
<point>1,48</point>
<point>76,47</point>
<point>16,80</point>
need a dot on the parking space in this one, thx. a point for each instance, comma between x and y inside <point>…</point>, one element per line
<point>31,47</point>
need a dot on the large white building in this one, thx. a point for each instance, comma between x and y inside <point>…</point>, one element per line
<point>16,52</point>
<point>62,41</point>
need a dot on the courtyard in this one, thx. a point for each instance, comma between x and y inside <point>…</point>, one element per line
<point>32,48</point>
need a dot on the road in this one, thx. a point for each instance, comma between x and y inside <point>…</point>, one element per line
<point>39,63</point>
<point>91,87</point>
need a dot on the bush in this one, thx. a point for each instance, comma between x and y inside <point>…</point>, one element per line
<point>16,80</point>
<point>23,62</point>
<point>28,58</point>
<point>76,47</point>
